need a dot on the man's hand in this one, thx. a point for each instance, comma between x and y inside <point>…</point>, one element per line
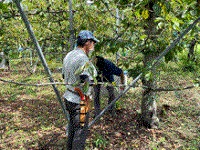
<point>122,87</point>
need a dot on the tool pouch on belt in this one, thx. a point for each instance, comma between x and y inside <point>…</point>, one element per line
<point>84,106</point>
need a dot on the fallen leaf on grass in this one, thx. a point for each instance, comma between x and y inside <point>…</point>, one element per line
<point>118,134</point>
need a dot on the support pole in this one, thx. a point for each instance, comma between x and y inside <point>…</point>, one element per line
<point>40,53</point>
<point>71,26</point>
<point>117,31</point>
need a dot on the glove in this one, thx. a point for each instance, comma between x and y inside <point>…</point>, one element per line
<point>114,83</point>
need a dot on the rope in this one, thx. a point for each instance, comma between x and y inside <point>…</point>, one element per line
<point>52,83</point>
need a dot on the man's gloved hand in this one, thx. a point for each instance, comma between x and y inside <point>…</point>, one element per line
<point>114,84</point>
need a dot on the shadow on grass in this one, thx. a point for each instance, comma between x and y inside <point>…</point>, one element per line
<point>36,120</point>
<point>122,131</point>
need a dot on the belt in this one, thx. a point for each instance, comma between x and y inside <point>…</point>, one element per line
<point>79,93</point>
<point>74,92</point>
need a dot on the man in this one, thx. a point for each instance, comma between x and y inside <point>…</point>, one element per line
<point>76,66</point>
<point>106,71</point>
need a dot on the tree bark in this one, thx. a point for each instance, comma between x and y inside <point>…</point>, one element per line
<point>148,105</point>
<point>4,61</point>
<point>191,50</point>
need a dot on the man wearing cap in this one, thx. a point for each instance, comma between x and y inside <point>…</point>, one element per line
<point>106,71</point>
<point>76,60</point>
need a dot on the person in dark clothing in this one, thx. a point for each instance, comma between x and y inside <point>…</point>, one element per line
<point>106,71</point>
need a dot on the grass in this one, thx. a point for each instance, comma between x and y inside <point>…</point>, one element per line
<point>31,117</point>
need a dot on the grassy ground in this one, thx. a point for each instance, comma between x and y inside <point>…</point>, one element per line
<point>31,117</point>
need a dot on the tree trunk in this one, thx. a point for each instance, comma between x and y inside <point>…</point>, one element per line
<point>4,61</point>
<point>191,50</point>
<point>148,106</point>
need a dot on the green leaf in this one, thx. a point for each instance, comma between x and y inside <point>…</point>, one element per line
<point>149,76</point>
<point>3,7</point>
<point>193,12</point>
<point>79,70</point>
<point>142,37</point>
<point>196,84</point>
<point>137,13</point>
<point>85,87</point>
<point>159,19</point>
<point>168,6</point>
<point>157,9</point>
<point>145,14</point>
<point>160,25</point>
<point>95,80</point>
<point>91,70</point>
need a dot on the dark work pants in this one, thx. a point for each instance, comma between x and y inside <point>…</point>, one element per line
<point>76,134</point>
<point>97,90</point>
<point>74,123</point>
